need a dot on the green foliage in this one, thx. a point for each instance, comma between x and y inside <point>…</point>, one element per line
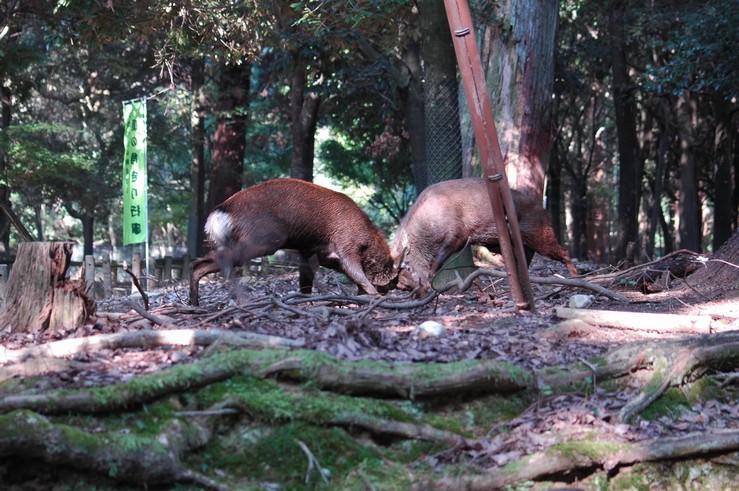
<point>694,46</point>
<point>46,164</point>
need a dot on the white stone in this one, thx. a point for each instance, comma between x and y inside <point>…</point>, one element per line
<point>580,301</point>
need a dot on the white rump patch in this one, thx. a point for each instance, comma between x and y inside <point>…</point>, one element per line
<point>218,227</point>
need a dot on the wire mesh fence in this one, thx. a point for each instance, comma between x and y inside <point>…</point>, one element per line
<point>442,128</point>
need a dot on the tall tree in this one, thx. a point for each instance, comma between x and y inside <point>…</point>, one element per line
<point>195,235</point>
<point>518,50</point>
<point>229,141</point>
<point>631,167</point>
<point>304,106</point>
<point>688,207</point>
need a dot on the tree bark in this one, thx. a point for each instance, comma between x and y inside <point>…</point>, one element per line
<point>520,75</point>
<point>195,232</point>
<point>414,120</point>
<point>724,214</point>
<point>629,186</point>
<point>39,295</point>
<point>5,117</point>
<point>304,105</point>
<point>689,212</point>
<point>230,137</point>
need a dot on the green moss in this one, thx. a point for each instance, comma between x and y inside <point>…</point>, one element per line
<point>672,403</point>
<point>684,475</point>
<point>377,474</point>
<point>269,401</point>
<point>595,450</point>
<point>278,457</point>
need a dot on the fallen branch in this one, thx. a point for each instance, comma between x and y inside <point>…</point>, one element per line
<point>637,321</point>
<point>570,282</point>
<point>144,339</point>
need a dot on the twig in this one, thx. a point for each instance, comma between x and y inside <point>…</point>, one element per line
<point>147,315</point>
<point>144,297</point>
<point>312,462</point>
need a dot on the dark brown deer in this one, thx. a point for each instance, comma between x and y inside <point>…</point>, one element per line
<point>326,227</point>
<point>449,214</point>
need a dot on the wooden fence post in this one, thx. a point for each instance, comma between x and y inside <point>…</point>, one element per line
<point>167,271</point>
<point>90,275</point>
<point>107,276</point>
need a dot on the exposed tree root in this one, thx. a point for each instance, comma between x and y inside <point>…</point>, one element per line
<point>720,352</point>
<point>321,369</point>
<point>571,456</point>
<point>131,459</point>
<point>464,284</point>
<point>680,367</point>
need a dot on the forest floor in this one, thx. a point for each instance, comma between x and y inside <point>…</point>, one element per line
<point>479,324</point>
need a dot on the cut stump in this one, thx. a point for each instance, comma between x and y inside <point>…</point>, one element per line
<point>39,296</point>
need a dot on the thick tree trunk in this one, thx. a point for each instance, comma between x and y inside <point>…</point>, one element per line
<point>630,175</point>
<point>724,214</point>
<point>39,296</point>
<point>304,105</point>
<point>520,75</point>
<point>689,211</point>
<point>195,232</point>
<point>230,137</point>
<point>412,97</point>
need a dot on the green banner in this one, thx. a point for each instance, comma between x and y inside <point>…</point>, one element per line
<point>135,213</point>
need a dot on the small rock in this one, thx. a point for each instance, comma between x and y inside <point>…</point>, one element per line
<point>430,328</point>
<point>580,301</point>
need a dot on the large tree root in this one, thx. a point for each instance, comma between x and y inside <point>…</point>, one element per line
<point>717,352</point>
<point>131,459</point>
<point>572,456</point>
<point>323,370</point>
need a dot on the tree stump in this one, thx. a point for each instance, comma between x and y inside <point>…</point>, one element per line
<point>39,296</point>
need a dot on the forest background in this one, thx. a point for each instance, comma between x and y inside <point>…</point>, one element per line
<point>637,132</point>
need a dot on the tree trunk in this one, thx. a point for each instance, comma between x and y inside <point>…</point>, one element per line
<point>304,105</point>
<point>39,296</point>
<point>195,232</point>
<point>724,214</point>
<point>412,97</point>
<point>88,222</point>
<point>5,116</point>
<point>520,75</point>
<point>689,211</point>
<point>230,136</point>
<point>630,175</point>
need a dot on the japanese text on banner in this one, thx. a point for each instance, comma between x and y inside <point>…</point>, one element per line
<point>134,174</point>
